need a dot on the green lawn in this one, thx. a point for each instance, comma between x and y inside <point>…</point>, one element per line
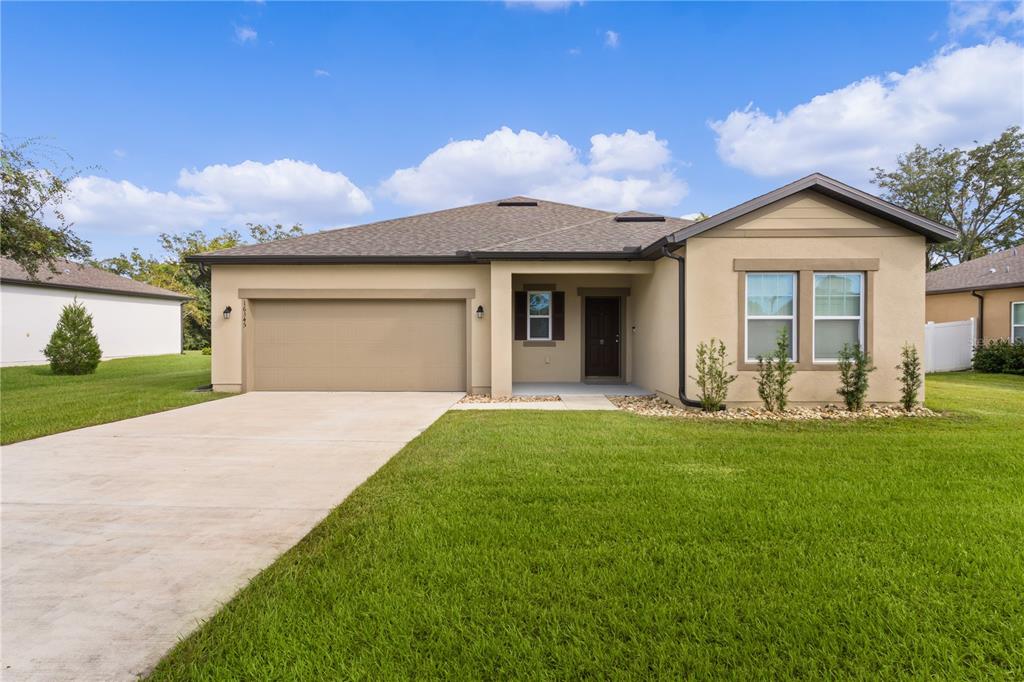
<point>553,545</point>
<point>36,403</point>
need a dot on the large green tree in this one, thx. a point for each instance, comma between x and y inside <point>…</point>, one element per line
<point>170,270</point>
<point>979,192</point>
<point>34,232</point>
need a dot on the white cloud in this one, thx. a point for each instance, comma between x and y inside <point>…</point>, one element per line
<point>626,171</point>
<point>321,73</point>
<point>611,39</point>
<point>985,18</point>
<point>120,153</point>
<point>628,151</point>
<point>574,52</point>
<point>957,97</point>
<point>284,191</point>
<point>245,34</point>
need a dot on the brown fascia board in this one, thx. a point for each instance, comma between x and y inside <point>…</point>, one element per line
<point>979,287</point>
<point>934,231</point>
<point>98,290</point>
<point>461,257</point>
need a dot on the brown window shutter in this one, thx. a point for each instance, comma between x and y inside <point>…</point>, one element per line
<point>520,315</point>
<point>558,315</point>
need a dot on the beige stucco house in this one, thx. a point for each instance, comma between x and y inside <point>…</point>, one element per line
<point>989,290</point>
<point>484,297</point>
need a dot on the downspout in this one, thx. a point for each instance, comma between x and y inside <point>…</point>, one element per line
<point>981,318</point>
<point>689,402</point>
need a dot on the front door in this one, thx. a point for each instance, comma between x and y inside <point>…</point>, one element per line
<point>602,339</point>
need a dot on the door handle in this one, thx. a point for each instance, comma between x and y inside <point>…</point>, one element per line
<point>600,342</point>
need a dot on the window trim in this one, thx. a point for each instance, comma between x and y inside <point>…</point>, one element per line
<point>815,317</point>
<point>794,342</point>
<point>1013,326</point>
<point>549,317</point>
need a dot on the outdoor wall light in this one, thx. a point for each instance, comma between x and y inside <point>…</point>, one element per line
<point>480,312</point>
<point>227,313</point>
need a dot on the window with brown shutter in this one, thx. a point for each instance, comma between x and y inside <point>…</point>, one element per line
<point>520,316</point>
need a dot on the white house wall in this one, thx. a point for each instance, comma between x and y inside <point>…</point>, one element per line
<point>125,325</point>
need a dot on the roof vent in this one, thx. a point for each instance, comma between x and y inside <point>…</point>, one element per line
<point>639,218</point>
<point>517,202</point>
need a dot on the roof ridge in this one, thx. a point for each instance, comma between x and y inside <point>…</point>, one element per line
<point>543,234</point>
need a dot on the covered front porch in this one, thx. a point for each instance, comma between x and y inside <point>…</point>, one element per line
<point>573,327</point>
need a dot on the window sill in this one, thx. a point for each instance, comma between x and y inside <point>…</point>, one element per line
<point>538,344</point>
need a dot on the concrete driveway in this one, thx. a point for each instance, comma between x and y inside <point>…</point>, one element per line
<point>118,539</point>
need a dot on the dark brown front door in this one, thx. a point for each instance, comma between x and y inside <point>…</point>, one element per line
<point>601,321</point>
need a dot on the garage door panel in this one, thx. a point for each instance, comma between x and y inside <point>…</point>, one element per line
<point>359,345</point>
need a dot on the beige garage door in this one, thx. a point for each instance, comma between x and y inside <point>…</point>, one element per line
<point>359,345</point>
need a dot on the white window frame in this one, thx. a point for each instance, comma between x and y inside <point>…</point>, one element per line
<point>815,317</point>
<point>1013,327</point>
<point>549,317</point>
<point>747,317</point>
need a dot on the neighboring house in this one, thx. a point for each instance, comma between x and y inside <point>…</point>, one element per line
<point>130,318</point>
<point>989,289</point>
<point>482,297</point>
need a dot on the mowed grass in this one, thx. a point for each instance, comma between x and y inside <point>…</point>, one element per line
<point>34,402</point>
<point>555,545</point>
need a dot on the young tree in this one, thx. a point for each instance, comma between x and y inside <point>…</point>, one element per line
<point>73,346</point>
<point>910,376</point>
<point>713,376</point>
<point>774,373</point>
<point>854,367</point>
<point>170,271</point>
<point>35,232</point>
<point>978,192</point>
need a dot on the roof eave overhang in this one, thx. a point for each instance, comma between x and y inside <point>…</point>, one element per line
<point>461,258</point>
<point>932,231</point>
<point>977,287</point>
<point>97,290</point>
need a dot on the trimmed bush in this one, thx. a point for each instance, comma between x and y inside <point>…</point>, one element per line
<point>73,346</point>
<point>854,367</point>
<point>713,376</point>
<point>910,376</point>
<point>999,356</point>
<point>206,350</point>
<point>774,372</point>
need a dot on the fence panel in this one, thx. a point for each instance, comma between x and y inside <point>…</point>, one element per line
<point>948,346</point>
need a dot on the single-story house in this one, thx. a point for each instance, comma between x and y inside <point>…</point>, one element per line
<point>989,289</point>
<point>484,297</point>
<point>130,318</point>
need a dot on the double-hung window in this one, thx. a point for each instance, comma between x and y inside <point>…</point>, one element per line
<point>1017,321</point>
<point>838,313</point>
<point>770,310</point>
<point>538,315</point>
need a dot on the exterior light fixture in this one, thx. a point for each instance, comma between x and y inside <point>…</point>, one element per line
<point>480,312</point>
<point>227,313</point>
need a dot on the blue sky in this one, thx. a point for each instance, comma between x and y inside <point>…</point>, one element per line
<point>210,114</point>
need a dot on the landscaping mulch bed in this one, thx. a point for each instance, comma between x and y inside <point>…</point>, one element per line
<point>514,399</point>
<point>652,406</point>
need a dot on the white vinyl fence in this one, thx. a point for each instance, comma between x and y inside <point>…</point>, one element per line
<point>948,346</point>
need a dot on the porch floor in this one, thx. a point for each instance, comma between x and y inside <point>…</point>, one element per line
<point>577,389</point>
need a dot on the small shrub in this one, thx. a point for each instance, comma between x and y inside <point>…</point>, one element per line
<point>774,372</point>
<point>73,346</point>
<point>999,355</point>
<point>854,367</point>
<point>206,350</point>
<point>910,376</point>
<point>713,376</point>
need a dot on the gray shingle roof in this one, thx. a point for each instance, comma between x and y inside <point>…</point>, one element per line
<point>995,271</point>
<point>70,275</point>
<point>484,228</point>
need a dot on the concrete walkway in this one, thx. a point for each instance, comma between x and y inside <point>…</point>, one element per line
<point>567,402</point>
<point>118,539</point>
